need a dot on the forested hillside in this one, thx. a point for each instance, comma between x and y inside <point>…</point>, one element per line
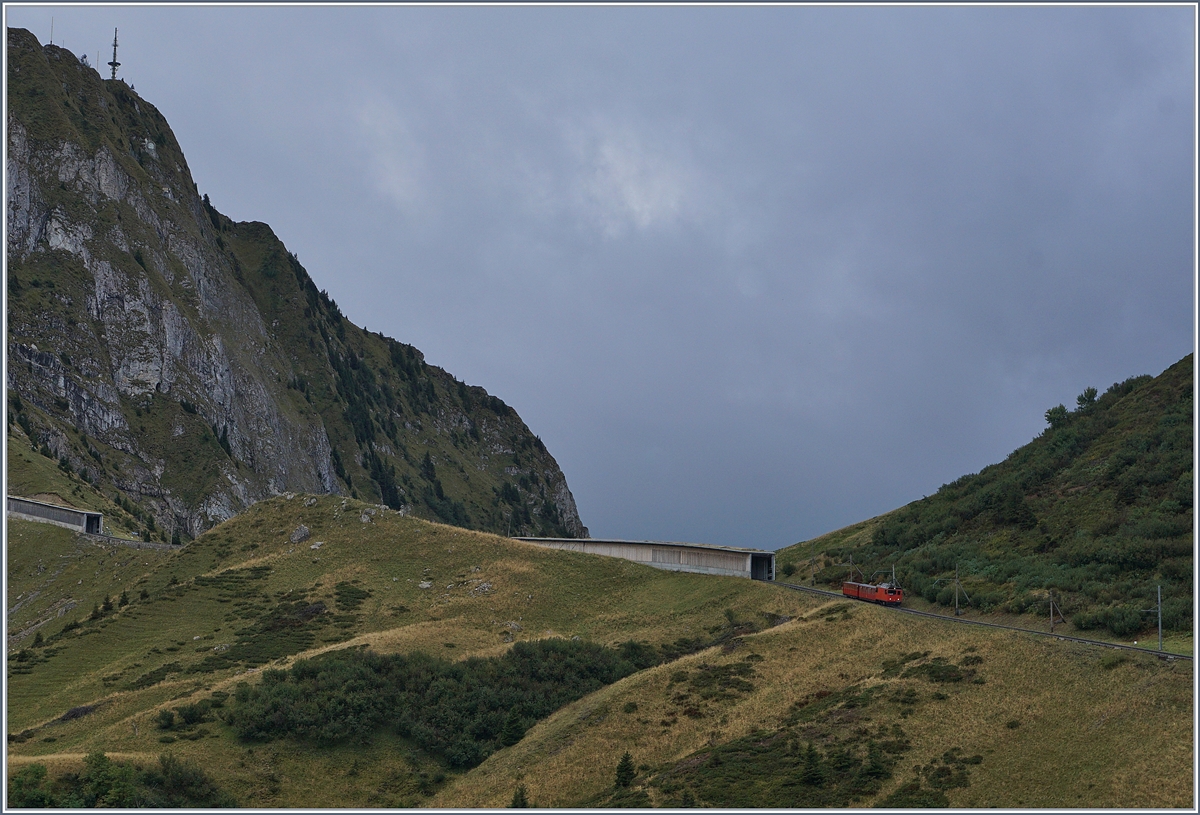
<point>1097,509</point>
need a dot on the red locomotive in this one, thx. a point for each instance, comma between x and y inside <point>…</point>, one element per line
<point>889,594</point>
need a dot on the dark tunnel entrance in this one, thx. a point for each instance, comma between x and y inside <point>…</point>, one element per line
<point>762,567</point>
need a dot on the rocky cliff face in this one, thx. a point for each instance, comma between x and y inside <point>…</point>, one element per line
<point>190,366</point>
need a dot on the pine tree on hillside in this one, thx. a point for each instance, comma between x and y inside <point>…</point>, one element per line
<point>625,770</point>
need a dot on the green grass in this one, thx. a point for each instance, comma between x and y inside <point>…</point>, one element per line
<point>214,610</point>
<point>56,578</point>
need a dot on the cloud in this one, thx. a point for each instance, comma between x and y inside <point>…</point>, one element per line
<point>628,181</point>
<point>395,158</point>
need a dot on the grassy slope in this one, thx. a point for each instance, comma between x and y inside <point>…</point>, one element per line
<point>1099,511</point>
<point>1136,718</point>
<point>531,592</point>
<point>1136,714</point>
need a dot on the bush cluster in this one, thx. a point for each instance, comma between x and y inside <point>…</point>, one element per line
<point>173,783</point>
<point>459,711</point>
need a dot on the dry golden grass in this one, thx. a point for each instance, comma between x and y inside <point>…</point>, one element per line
<point>1135,719</point>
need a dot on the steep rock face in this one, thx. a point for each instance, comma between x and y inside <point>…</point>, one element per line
<point>190,363</point>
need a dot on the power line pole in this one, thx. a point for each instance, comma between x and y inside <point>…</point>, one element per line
<point>114,64</point>
<point>957,588</point>
<point>1055,611</point>
<point>1159,609</point>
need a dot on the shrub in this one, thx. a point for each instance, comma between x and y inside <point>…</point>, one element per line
<point>193,714</point>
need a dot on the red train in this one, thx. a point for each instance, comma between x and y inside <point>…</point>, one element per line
<point>889,594</point>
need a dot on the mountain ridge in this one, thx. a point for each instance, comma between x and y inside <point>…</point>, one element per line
<point>189,364</point>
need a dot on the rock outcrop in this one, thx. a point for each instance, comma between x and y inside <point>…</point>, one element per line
<point>189,364</point>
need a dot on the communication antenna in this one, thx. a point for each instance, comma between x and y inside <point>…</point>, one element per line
<point>114,64</point>
<point>52,31</point>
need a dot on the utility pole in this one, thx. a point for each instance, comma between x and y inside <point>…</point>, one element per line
<point>1159,609</point>
<point>1054,609</point>
<point>957,587</point>
<point>114,64</point>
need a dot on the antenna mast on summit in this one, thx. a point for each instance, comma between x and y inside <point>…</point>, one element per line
<point>115,65</point>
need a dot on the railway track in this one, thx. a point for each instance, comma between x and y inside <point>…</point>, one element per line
<point>1102,643</point>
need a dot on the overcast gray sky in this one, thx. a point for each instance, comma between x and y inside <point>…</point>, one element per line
<point>752,274</point>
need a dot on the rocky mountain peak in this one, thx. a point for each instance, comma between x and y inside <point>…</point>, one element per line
<point>190,365</point>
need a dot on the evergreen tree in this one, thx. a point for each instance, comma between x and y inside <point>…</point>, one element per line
<point>625,770</point>
<point>1057,417</point>
<point>520,799</point>
<point>513,730</point>
<point>813,773</point>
